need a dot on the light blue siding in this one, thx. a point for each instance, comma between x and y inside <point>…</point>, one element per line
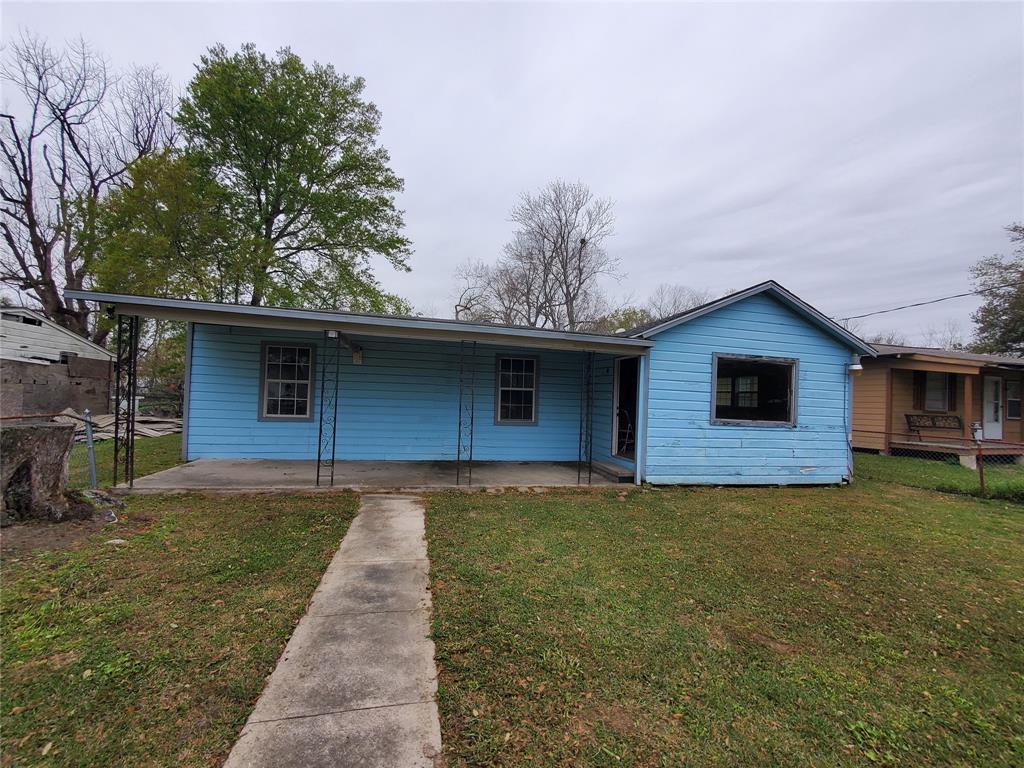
<point>400,404</point>
<point>604,394</point>
<point>683,446</point>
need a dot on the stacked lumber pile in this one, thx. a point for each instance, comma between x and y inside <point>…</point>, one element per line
<point>103,425</point>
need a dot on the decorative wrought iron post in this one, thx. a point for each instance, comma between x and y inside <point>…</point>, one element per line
<point>125,367</point>
<point>586,450</point>
<point>330,384</point>
<point>467,412</point>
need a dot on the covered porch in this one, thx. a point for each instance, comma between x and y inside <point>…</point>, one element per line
<point>284,398</point>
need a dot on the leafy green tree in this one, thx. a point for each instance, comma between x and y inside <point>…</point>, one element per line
<point>999,321</point>
<point>308,186</point>
<point>168,232</point>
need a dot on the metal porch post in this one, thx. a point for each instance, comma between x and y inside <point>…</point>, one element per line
<point>586,446</point>
<point>467,412</point>
<point>125,369</point>
<point>329,395</point>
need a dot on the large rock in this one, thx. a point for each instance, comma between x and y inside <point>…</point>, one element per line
<point>34,471</point>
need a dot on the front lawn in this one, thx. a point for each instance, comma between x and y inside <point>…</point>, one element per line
<point>152,454</point>
<point>1003,478</point>
<point>868,625</point>
<point>154,652</point>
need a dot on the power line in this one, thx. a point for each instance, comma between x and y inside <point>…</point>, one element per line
<point>933,301</point>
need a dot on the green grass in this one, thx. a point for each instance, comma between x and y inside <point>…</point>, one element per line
<point>152,454</point>
<point>867,625</point>
<point>1002,480</point>
<point>153,653</point>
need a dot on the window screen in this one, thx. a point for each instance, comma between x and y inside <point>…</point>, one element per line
<point>936,392</point>
<point>287,380</point>
<point>1013,399</point>
<point>754,390</point>
<point>517,390</point>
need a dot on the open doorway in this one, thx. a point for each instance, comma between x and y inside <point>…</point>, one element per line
<point>627,371</point>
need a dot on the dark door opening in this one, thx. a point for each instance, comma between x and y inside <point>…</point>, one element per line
<point>627,372</point>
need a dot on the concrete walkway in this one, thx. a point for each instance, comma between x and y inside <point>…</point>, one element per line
<point>356,685</point>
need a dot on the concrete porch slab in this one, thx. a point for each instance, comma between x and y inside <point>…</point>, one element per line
<point>235,475</point>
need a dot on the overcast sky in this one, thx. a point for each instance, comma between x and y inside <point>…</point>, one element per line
<point>863,155</point>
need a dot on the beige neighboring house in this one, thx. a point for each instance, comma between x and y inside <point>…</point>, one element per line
<point>45,368</point>
<point>938,400</point>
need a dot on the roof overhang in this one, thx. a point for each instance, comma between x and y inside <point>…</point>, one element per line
<point>787,298</point>
<point>281,318</point>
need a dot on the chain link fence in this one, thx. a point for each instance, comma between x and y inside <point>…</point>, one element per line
<point>984,468</point>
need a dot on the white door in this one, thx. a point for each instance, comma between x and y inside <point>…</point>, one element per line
<point>992,409</point>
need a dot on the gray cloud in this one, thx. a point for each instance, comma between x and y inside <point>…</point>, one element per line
<point>864,155</point>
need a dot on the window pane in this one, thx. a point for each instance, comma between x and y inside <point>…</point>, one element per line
<point>936,395</point>
<point>517,381</point>
<point>1013,409</point>
<point>723,393</point>
<point>287,374</point>
<point>754,390</point>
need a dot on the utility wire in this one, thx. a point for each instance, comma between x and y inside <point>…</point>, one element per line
<point>933,301</point>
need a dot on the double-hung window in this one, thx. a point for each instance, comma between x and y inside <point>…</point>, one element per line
<point>516,395</point>
<point>286,382</point>
<point>754,390</point>
<point>1013,399</point>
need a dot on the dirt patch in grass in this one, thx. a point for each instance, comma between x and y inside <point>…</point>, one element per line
<point>872,624</point>
<point>154,652</point>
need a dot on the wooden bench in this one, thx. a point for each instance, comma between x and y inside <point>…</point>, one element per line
<point>918,421</point>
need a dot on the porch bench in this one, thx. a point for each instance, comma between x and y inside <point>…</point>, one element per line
<point>918,421</point>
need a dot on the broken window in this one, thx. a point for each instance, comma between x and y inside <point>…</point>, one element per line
<point>754,390</point>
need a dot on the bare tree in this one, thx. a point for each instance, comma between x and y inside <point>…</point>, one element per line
<point>671,299</point>
<point>548,273</point>
<point>78,129</point>
<point>892,337</point>
<point>950,335</point>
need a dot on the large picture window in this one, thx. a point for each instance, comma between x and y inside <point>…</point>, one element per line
<point>754,390</point>
<point>286,382</point>
<point>516,396</point>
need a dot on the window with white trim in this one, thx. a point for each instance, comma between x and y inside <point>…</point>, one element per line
<point>1013,399</point>
<point>754,390</point>
<point>516,395</point>
<point>287,381</point>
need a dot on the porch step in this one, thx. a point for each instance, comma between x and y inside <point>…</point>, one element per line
<point>614,472</point>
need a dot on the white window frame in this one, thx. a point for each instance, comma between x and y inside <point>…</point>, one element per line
<point>262,414</point>
<point>498,388</point>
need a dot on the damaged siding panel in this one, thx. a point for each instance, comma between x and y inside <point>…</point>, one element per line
<point>683,446</point>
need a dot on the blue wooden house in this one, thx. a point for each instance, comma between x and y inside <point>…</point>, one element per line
<point>753,388</point>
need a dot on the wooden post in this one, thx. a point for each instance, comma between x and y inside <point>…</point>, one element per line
<point>968,406</point>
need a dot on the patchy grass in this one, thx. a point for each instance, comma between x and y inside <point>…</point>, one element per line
<point>152,454</point>
<point>866,625</point>
<point>1003,480</point>
<point>154,653</point>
